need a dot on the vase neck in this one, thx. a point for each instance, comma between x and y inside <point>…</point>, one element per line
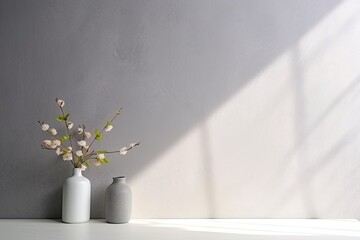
<point>121,179</point>
<point>77,172</point>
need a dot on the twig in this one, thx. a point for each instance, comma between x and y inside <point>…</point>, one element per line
<point>117,114</point>
<point>68,131</point>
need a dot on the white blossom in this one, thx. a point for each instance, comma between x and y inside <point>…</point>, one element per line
<point>46,143</point>
<point>67,156</point>
<point>70,149</point>
<point>87,135</point>
<point>60,102</point>
<point>69,125</point>
<point>83,167</point>
<point>53,145</point>
<point>100,156</point>
<point>132,144</point>
<point>81,143</point>
<point>108,128</point>
<point>80,130</point>
<point>57,142</point>
<point>53,131</point>
<point>123,150</point>
<point>45,127</point>
<point>97,162</point>
<point>86,147</point>
<point>79,153</point>
<point>59,151</point>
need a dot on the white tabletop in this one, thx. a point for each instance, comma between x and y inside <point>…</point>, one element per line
<point>173,229</point>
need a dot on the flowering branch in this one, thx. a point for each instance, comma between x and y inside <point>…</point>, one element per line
<point>55,144</point>
<point>108,126</point>
<point>61,104</point>
<point>79,158</point>
<point>124,150</point>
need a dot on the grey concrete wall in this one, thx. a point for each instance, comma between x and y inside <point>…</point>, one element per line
<point>175,66</point>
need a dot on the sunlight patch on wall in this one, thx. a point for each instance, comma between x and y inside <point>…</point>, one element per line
<point>284,145</point>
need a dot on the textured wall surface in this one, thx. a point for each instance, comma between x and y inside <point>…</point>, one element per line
<point>244,108</point>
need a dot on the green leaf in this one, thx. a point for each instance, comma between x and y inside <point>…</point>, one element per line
<point>67,116</point>
<point>118,111</point>
<point>60,118</point>
<point>64,138</point>
<point>108,123</point>
<point>87,164</point>
<point>101,151</point>
<point>98,135</point>
<point>105,160</point>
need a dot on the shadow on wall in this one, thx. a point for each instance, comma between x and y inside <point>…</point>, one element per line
<point>170,65</point>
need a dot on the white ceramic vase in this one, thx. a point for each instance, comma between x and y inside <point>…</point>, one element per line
<point>76,198</point>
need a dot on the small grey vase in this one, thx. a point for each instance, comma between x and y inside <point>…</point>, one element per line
<point>118,201</point>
